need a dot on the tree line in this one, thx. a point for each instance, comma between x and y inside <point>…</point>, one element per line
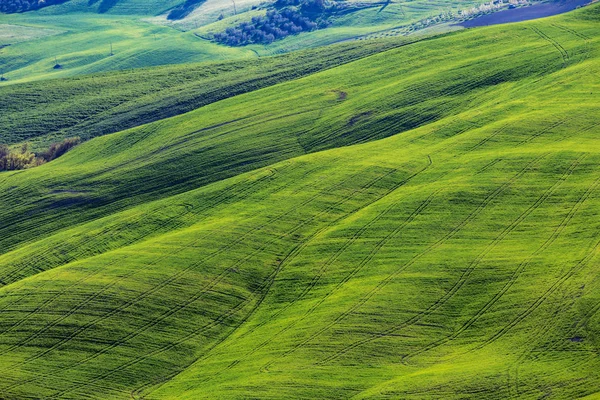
<point>288,18</point>
<point>16,6</point>
<point>22,158</point>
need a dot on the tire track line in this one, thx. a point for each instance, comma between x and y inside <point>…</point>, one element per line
<point>568,274</point>
<point>238,307</point>
<point>563,53</point>
<point>495,193</point>
<point>352,178</point>
<point>521,267</point>
<point>291,256</point>
<point>352,273</point>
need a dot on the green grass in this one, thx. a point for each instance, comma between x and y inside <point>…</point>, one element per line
<point>419,223</point>
<point>115,7</point>
<point>10,34</point>
<point>381,20</point>
<point>84,46</point>
<point>79,37</point>
<point>46,111</point>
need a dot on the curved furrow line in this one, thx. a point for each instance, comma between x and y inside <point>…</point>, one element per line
<point>495,193</point>
<point>361,264</point>
<point>218,321</point>
<point>563,53</point>
<point>334,257</point>
<point>543,131</point>
<point>513,376</point>
<point>556,233</point>
<point>359,267</point>
<point>90,324</point>
<point>130,303</point>
<point>579,265</point>
<point>487,139</point>
<point>512,371</point>
<point>291,255</point>
<point>298,226</point>
<point>220,198</point>
<point>90,240</point>
<point>63,316</point>
<point>50,300</point>
<point>459,284</point>
<point>565,277</point>
<point>168,313</point>
<point>585,38</point>
<point>521,267</point>
<point>298,249</point>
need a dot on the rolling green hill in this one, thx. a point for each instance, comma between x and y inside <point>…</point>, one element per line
<point>80,43</point>
<point>121,7</point>
<point>79,37</point>
<point>418,223</point>
<point>89,106</point>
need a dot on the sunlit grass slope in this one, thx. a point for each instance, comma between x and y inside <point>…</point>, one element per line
<point>421,223</point>
<point>89,106</point>
<point>83,46</point>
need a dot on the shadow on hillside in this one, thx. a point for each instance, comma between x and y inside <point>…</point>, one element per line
<point>106,5</point>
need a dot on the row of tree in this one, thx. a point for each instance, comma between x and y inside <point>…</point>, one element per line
<point>15,6</point>
<point>23,158</point>
<point>293,17</point>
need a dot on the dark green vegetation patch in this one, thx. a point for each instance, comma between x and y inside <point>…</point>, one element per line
<point>14,6</point>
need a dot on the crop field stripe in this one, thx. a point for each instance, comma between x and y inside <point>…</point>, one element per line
<point>145,294</point>
<point>302,245</point>
<point>362,263</point>
<point>297,250</point>
<point>585,39</point>
<point>456,287</point>
<point>187,210</point>
<point>517,272</point>
<point>435,245</point>
<point>343,248</point>
<point>289,256</point>
<point>50,300</point>
<point>563,53</point>
<point>79,306</point>
<point>156,261</point>
<point>558,282</point>
<point>282,277</point>
<point>555,234</point>
<point>357,234</point>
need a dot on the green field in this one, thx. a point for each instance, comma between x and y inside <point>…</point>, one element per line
<point>418,222</point>
<point>84,43</point>
<point>78,35</point>
<point>89,106</point>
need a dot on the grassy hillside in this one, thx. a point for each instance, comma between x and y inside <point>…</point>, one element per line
<point>89,106</point>
<point>121,7</point>
<point>75,38</point>
<point>420,223</point>
<point>82,45</point>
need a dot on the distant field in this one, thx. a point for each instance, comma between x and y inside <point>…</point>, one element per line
<point>418,223</point>
<point>84,46</point>
<point>47,111</point>
<point>12,34</point>
<point>142,36</point>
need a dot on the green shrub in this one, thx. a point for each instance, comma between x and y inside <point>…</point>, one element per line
<point>12,161</point>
